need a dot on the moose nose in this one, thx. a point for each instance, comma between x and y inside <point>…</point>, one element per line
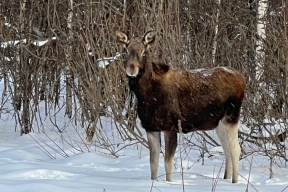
<point>131,66</point>
<point>132,69</point>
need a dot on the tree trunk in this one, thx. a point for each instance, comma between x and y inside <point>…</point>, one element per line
<point>214,46</point>
<point>68,70</point>
<point>17,100</point>
<point>22,78</point>
<point>261,32</point>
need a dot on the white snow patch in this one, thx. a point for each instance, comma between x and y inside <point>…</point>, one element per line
<point>204,71</point>
<point>103,62</point>
<point>17,42</point>
<point>37,174</point>
<point>227,69</point>
<point>40,43</point>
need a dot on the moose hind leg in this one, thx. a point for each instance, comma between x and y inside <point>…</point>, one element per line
<point>154,144</point>
<point>228,136</point>
<point>235,150</point>
<point>170,148</point>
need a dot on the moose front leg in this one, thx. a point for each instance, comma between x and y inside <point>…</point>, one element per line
<point>154,144</point>
<point>170,148</point>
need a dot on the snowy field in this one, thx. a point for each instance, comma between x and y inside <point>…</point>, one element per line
<point>51,161</point>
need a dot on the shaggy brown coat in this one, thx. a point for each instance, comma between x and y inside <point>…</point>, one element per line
<point>175,100</point>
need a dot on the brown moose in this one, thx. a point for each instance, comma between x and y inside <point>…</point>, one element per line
<point>174,100</point>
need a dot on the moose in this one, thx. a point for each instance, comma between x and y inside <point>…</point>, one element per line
<point>173,100</point>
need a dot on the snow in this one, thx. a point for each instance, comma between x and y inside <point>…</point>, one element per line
<point>38,43</point>
<point>12,43</point>
<point>42,42</point>
<point>103,62</point>
<point>206,72</point>
<point>227,70</point>
<point>23,167</point>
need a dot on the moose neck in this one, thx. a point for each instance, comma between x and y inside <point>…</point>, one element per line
<point>147,68</point>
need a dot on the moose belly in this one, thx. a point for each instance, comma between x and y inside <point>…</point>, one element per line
<point>199,126</point>
<point>170,124</point>
<point>161,119</point>
<point>157,123</point>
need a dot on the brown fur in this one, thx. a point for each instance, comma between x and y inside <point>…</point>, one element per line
<point>199,101</point>
<point>198,98</point>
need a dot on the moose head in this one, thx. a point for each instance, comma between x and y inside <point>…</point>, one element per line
<point>137,51</point>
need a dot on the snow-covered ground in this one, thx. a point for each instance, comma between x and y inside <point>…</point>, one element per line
<point>52,161</point>
<point>25,167</point>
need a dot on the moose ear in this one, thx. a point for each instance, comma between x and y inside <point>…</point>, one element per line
<point>122,38</point>
<point>149,37</point>
<point>160,68</point>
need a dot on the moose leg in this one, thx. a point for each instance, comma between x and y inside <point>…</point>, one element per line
<point>154,144</point>
<point>228,136</point>
<point>235,150</point>
<point>222,133</point>
<point>170,148</point>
